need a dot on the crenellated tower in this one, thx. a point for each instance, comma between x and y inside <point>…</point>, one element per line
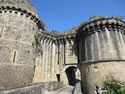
<point>101,52</point>
<point>29,54</point>
<point>18,24</point>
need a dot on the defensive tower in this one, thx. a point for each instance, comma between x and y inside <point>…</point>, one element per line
<point>18,24</point>
<point>101,52</point>
<point>29,54</point>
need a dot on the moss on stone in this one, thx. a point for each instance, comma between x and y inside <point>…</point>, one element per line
<point>55,33</point>
<point>118,17</point>
<point>93,18</point>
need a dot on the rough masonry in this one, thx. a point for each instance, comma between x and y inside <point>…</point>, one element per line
<point>29,54</point>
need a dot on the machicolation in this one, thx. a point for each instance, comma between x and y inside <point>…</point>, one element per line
<point>33,60</point>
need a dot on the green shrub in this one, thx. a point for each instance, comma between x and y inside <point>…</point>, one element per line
<point>113,87</point>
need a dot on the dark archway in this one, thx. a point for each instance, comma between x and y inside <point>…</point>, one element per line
<point>71,75</point>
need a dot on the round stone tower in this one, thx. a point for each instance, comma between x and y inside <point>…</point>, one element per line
<point>18,24</point>
<point>102,53</point>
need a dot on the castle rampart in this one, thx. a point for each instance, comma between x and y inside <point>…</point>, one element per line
<point>54,49</point>
<point>29,54</point>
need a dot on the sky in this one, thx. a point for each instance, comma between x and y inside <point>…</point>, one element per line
<point>61,15</point>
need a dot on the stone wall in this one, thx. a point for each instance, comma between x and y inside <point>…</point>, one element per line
<point>34,89</point>
<point>71,50</point>
<point>37,88</point>
<point>93,75</point>
<point>24,60</point>
<point>47,59</point>
<point>55,53</point>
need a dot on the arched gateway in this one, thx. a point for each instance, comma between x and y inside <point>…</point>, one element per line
<point>73,75</point>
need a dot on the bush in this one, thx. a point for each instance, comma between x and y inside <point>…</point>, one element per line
<point>113,87</point>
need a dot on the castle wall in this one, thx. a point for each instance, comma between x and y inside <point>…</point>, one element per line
<point>51,65</point>
<point>71,52</point>
<point>67,55</point>
<point>21,60</point>
<point>47,62</point>
<point>37,88</point>
<point>33,89</point>
<point>93,75</point>
<point>15,33</point>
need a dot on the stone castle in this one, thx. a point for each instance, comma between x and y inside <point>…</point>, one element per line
<point>33,59</point>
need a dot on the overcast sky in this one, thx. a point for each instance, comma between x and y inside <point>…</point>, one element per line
<point>64,14</point>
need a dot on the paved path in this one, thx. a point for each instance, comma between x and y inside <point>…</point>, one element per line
<point>65,90</point>
<point>77,89</point>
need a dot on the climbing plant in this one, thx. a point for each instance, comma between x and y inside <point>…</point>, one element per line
<point>37,43</point>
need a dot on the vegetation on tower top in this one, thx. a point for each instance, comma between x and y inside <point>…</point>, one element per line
<point>55,32</point>
<point>98,17</point>
<point>93,18</point>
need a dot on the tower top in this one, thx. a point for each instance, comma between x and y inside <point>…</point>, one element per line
<point>22,4</point>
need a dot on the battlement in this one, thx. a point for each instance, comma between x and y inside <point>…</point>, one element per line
<point>21,12</point>
<point>30,54</point>
<point>99,25</point>
<point>55,37</point>
<point>23,4</point>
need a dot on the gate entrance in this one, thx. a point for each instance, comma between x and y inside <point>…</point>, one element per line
<point>71,75</point>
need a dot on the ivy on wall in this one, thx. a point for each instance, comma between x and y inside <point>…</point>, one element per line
<point>37,43</point>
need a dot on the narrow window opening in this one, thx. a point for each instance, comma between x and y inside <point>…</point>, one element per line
<point>5,11</point>
<point>14,56</point>
<point>2,30</point>
<point>27,15</point>
<point>28,51</point>
<point>58,77</point>
<point>33,28</point>
<point>16,12</point>
<point>22,14</point>
<point>58,62</point>
<point>70,50</point>
<point>10,11</point>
